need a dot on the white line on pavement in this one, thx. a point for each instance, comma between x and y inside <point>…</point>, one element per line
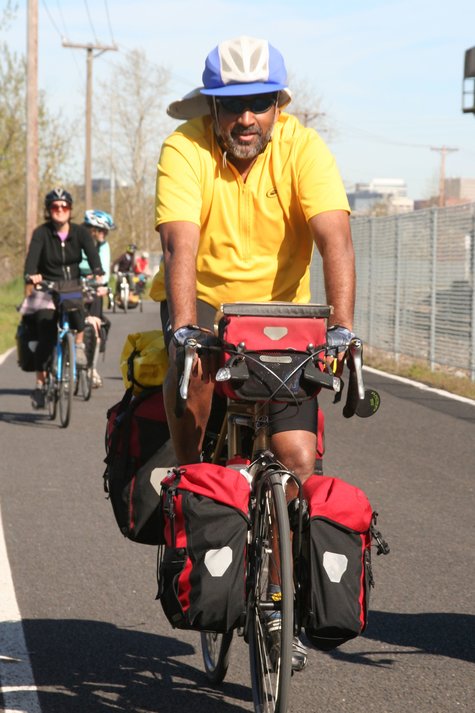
<point>419,385</point>
<point>17,685</point>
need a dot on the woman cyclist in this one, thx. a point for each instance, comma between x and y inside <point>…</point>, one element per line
<point>54,255</point>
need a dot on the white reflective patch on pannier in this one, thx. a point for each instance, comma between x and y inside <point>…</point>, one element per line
<point>335,565</point>
<point>275,333</point>
<point>218,561</point>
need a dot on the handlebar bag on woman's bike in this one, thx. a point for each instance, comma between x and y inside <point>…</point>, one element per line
<point>69,294</point>
<point>335,563</point>
<point>201,574</point>
<point>277,344</point>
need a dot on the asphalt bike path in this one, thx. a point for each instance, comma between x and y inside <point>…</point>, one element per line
<point>81,632</point>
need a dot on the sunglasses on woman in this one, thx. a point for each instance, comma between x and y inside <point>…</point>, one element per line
<point>256,104</point>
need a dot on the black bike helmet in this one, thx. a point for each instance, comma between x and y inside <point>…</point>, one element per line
<point>131,248</point>
<point>58,194</point>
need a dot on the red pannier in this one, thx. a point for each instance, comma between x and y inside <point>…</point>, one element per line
<point>277,338</point>
<point>136,428</point>
<point>202,569</point>
<point>335,563</point>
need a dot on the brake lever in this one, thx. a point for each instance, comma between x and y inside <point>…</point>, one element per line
<point>191,347</point>
<point>363,402</point>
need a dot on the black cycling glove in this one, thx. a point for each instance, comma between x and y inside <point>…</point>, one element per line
<point>338,338</point>
<point>204,337</point>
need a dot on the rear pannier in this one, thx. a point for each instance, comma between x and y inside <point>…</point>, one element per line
<point>202,569</point>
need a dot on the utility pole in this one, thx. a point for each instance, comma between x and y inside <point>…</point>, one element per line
<point>31,121</point>
<point>87,161</point>
<point>443,150</point>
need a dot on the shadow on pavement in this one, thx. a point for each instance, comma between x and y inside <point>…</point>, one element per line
<point>96,667</point>
<point>437,634</point>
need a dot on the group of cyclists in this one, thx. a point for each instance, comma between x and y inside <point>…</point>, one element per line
<point>67,255</point>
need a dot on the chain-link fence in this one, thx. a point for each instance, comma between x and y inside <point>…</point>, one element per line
<point>415,284</point>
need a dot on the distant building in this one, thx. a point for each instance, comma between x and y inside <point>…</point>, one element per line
<point>459,190</point>
<point>382,196</point>
<point>389,186</point>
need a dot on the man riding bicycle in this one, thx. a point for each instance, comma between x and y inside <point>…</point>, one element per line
<point>243,193</point>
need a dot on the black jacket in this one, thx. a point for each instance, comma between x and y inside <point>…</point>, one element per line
<point>56,260</point>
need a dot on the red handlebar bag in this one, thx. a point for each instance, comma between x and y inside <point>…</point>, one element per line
<point>269,349</point>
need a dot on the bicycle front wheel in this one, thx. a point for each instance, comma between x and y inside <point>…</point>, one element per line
<point>66,379</point>
<point>270,621</point>
<point>216,649</point>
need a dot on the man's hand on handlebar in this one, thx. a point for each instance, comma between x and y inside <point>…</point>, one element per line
<point>200,342</point>
<point>338,339</point>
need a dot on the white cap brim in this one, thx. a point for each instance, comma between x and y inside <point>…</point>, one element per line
<point>195,104</point>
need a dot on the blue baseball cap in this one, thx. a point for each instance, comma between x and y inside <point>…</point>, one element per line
<point>238,67</point>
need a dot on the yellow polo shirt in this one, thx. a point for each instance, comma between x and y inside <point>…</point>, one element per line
<point>255,242</point>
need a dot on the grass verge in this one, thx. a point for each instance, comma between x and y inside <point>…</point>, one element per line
<point>455,381</point>
<point>11,295</point>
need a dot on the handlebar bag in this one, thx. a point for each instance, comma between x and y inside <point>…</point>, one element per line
<point>136,429</point>
<point>201,575</point>
<point>335,561</point>
<point>269,351</point>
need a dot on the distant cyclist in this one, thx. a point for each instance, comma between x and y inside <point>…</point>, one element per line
<point>142,265</point>
<point>54,255</point>
<point>99,223</point>
<point>125,265</point>
<point>126,261</point>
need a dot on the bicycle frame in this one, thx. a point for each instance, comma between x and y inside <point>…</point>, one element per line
<point>63,329</point>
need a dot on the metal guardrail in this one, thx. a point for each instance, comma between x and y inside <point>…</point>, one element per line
<point>415,284</point>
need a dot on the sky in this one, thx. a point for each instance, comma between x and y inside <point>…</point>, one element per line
<point>388,74</point>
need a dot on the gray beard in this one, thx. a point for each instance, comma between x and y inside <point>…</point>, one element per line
<point>243,151</point>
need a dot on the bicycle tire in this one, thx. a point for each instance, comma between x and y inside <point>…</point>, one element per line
<point>124,297</point>
<point>66,380</point>
<point>216,649</point>
<point>85,377</point>
<point>51,395</point>
<point>270,661</point>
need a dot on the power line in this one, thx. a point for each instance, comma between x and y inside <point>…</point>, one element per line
<point>60,34</point>
<point>66,33</point>
<point>90,20</point>
<point>109,22</point>
<point>51,19</point>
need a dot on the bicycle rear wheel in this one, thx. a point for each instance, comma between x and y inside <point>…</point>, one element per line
<point>85,382</point>
<point>66,379</point>
<point>216,649</point>
<point>51,395</point>
<point>270,653</point>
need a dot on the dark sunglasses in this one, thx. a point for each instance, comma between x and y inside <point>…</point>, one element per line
<point>60,206</point>
<point>257,104</point>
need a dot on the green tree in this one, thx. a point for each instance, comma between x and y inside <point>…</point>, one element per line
<point>132,122</point>
<point>53,143</point>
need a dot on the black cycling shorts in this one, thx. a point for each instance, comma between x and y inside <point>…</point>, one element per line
<point>283,417</point>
